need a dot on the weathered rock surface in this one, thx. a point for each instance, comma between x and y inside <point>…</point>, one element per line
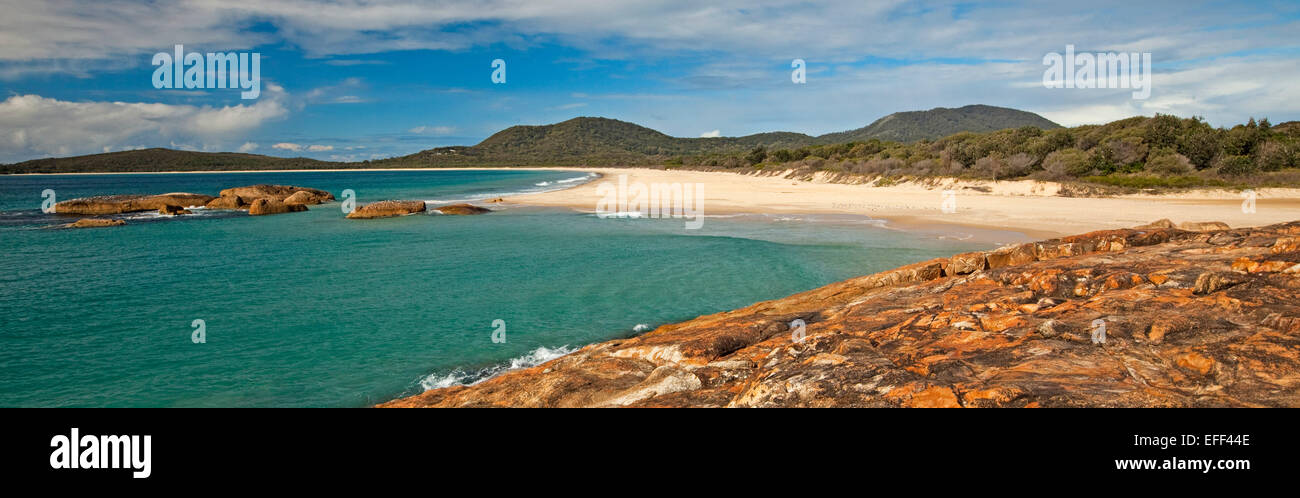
<point>115,204</point>
<point>462,209</point>
<point>305,197</point>
<point>95,223</point>
<point>270,206</point>
<point>1190,319</point>
<point>228,202</point>
<point>385,209</point>
<point>280,193</point>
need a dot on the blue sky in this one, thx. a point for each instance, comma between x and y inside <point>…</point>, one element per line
<point>352,80</point>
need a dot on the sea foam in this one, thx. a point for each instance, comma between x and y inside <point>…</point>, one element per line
<point>460,377</point>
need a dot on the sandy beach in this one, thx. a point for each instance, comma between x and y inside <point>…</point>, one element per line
<point>1029,207</point>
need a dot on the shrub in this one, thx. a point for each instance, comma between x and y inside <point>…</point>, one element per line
<point>1235,165</point>
<point>1273,155</point>
<point>1167,162</point>
<point>1066,163</point>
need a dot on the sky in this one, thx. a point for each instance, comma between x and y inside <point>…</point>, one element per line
<point>351,80</point>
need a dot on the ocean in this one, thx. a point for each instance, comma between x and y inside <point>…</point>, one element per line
<point>312,309</point>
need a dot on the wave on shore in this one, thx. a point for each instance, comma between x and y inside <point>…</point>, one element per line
<point>461,377</point>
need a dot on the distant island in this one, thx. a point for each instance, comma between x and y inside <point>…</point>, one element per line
<point>975,142</point>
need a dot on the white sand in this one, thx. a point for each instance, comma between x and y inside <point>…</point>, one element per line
<point>1029,207</point>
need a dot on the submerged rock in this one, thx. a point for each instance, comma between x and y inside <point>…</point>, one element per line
<point>1013,328</point>
<point>385,209</point>
<point>461,209</point>
<point>270,206</point>
<point>95,223</point>
<point>115,204</point>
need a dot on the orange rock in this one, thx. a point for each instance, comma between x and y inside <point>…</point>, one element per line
<point>1196,362</point>
<point>934,397</point>
<point>385,209</point>
<point>1010,256</point>
<point>965,263</point>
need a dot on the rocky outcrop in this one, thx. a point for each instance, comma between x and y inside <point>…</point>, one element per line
<point>1132,317</point>
<point>229,202</point>
<point>95,223</point>
<point>461,209</point>
<point>270,206</point>
<point>307,197</point>
<point>115,204</point>
<point>280,193</point>
<point>244,197</point>
<point>385,209</point>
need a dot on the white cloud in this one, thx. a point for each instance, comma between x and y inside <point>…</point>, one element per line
<point>248,147</point>
<point>432,130</point>
<point>36,126</point>
<point>293,147</point>
<point>711,134</point>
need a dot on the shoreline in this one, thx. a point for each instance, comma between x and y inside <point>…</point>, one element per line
<point>1028,207</point>
<point>1031,208</point>
<point>983,329</point>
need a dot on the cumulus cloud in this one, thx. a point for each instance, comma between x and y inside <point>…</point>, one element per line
<point>832,29</point>
<point>711,134</point>
<point>289,146</point>
<point>248,147</point>
<point>36,126</point>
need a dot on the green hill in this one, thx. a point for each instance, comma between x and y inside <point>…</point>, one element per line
<point>940,122</point>
<point>588,140</point>
<point>580,141</point>
<point>158,159</point>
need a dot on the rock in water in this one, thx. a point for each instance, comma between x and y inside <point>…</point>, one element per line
<point>115,204</point>
<point>173,210</point>
<point>305,197</point>
<point>461,209</point>
<point>268,206</point>
<point>95,223</point>
<point>228,202</point>
<point>280,193</point>
<point>1190,319</point>
<point>385,209</point>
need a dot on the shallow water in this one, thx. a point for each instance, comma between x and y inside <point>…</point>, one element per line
<point>311,309</point>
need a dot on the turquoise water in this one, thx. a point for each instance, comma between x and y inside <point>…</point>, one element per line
<point>311,309</point>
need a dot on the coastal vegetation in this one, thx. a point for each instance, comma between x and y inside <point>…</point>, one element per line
<point>972,142</point>
<point>1137,153</point>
